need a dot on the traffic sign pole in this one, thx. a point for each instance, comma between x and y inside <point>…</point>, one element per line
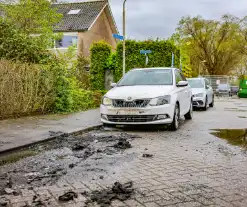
<point>146,52</point>
<point>146,58</point>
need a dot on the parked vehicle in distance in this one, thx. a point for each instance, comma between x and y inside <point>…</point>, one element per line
<point>203,94</point>
<point>234,90</point>
<point>243,88</point>
<point>223,90</point>
<point>148,96</point>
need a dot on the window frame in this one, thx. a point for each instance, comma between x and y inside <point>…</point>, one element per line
<point>181,76</point>
<point>72,34</point>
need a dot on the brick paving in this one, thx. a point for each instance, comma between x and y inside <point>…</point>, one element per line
<point>190,168</point>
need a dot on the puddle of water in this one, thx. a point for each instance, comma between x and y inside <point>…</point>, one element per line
<point>14,157</point>
<point>236,137</point>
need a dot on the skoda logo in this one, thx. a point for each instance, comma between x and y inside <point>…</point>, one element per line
<point>129,98</point>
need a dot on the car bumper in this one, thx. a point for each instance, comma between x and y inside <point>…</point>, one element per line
<point>226,93</point>
<point>137,116</point>
<point>198,102</point>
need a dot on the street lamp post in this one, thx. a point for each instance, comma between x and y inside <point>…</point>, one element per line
<point>124,33</point>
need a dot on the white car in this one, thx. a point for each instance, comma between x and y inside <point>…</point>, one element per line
<point>148,96</point>
<point>203,94</point>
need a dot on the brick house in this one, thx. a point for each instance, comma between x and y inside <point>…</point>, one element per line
<point>84,23</point>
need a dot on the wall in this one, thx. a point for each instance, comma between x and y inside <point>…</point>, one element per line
<point>101,30</point>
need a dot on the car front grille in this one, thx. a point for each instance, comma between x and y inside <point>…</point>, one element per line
<point>131,118</point>
<point>140,103</point>
<point>197,103</point>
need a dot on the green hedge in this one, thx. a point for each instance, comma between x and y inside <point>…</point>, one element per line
<point>160,57</point>
<point>100,53</point>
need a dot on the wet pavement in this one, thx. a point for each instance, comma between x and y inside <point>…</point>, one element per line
<point>22,131</point>
<point>196,166</point>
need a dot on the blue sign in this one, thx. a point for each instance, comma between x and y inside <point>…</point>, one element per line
<point>145,51</point>
<point>117,36</point>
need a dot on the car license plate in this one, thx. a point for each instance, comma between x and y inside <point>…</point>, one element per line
<point>125,111</point>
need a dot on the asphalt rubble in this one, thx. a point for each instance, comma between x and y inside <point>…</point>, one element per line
<point>50,164</point>
<point>118,191</point>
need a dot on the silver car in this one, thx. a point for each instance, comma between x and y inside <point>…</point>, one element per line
<point>203,95</point>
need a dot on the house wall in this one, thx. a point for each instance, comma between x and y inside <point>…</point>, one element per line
<point>101,30</point>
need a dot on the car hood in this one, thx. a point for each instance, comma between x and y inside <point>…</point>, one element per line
<point>197,90</point>
<point>138,92</point>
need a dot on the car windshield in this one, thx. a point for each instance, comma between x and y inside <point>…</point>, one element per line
<point>147,77</point>
<point>196,83</point>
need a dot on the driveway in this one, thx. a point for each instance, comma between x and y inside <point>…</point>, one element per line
<point>190,167</point>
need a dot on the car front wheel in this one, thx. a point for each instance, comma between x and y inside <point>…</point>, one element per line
<point>175,123</point>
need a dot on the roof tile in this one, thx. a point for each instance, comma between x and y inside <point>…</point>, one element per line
<point>81,21</point>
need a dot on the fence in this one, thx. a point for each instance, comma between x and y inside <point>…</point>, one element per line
<point>215,80</point>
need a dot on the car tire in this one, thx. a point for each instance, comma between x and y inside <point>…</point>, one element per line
<point>212,104</point>
<point>206,104</point>
<point>175,123</point>
<point>189,115</point>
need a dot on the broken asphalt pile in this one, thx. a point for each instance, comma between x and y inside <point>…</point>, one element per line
<point>147,155</point>
<point>118,191</point>
<point>68,196</point>
<point>57,157</point>
<point>122,144</point>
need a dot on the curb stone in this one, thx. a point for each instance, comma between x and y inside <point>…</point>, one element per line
<point>50,138</point>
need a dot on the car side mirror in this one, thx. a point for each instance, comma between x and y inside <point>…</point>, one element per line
<point>113,85</point>
<point>207,86</point>
<point>182,83</point>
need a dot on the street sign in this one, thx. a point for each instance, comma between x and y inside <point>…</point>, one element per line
<point>145,51</point>
<point>117,36</point>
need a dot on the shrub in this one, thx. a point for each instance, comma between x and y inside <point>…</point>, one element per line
<point>100,52</point>
<point>25,88</point>
<point>81,73</point>
<point>15,45</point>
<point>71,89</point>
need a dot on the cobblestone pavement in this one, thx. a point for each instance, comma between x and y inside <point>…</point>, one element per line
<point>189,167</point>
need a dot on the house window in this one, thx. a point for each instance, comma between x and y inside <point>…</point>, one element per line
<point>66,41</point>
<point>74,11</point>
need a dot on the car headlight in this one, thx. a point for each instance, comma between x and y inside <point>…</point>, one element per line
<point>160,101</point>
<point>106,101</point>
<point>199,95</point>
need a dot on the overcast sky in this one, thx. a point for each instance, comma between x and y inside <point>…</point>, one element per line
<point>159,18</point>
